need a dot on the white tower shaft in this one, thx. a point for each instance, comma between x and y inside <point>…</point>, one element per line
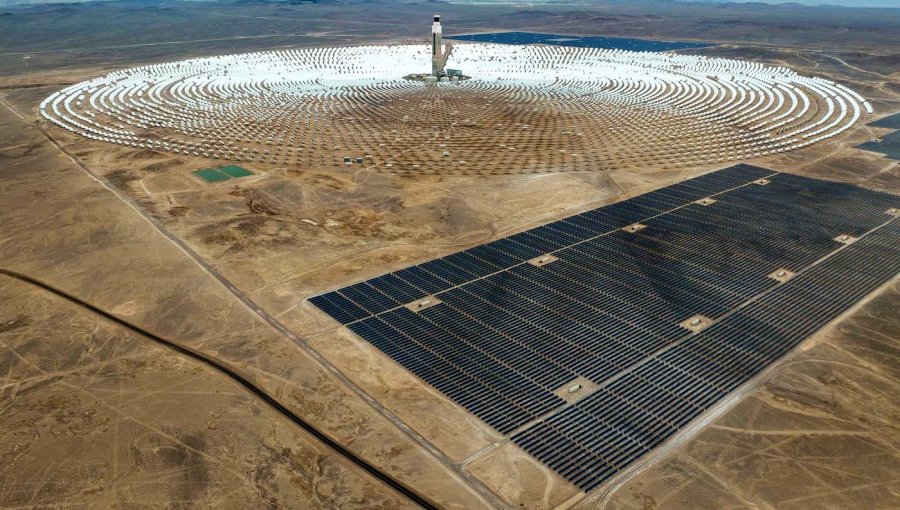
<point>436,37</point>
<point>436,56</point>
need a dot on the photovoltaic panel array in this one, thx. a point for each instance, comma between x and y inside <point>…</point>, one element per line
<point>765,260</point>
<point>603,433</point>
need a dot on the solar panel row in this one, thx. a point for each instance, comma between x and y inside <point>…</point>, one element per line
<point>508,335</point>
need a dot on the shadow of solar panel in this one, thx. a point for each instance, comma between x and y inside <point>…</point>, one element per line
<point>506,334</point>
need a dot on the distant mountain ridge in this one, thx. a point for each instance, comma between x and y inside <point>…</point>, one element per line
<point>806,3</point>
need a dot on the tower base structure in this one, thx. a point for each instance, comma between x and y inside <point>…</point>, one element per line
<point>443,77</point>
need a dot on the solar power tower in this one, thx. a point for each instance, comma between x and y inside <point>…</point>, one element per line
<point>437,62</point>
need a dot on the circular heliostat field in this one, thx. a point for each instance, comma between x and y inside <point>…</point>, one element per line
<point>525,109</point>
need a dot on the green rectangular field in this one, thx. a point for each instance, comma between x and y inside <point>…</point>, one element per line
<point>222,173</point>
<point>235,171</point>
<point>212,175</point>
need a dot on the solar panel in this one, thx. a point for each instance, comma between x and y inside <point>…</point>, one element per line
<point>665,302</point>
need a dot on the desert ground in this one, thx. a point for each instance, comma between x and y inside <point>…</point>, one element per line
<point>97,414</point>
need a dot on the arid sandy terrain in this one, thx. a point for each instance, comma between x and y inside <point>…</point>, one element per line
<point>98,415</point>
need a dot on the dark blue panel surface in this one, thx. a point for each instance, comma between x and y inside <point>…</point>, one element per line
<point>891,122</point>
<point>617,43</point>
<point>889,145</point>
